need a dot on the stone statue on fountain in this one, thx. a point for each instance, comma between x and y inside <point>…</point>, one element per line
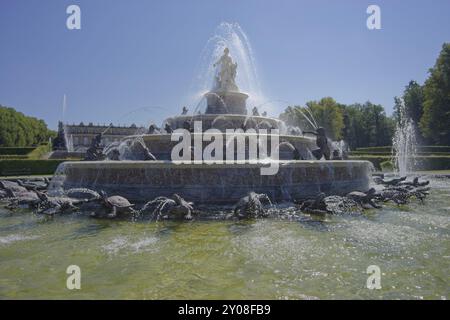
<point>95,151</point>
<point>225,79</point>
<point>322,144</point>
<point>225,97</point>
<point>59,143</point>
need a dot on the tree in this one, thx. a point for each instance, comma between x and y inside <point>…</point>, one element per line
<point>398,105</point>
<point>360,125</point>
<point>325,113</point>
<point>328,114</point>
<point>413,99</point>
<point>18,130</point>
<point>435,121</point>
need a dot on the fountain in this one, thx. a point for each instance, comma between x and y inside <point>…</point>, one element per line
<point>404,144</point>
<point>226,176</point>
<point>68,138</point>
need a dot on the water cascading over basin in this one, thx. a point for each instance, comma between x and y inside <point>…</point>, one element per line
<point>217,183</point>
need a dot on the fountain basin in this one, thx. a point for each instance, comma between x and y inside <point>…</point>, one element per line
<point>232,120</point>
<point>226,102</point>
<point>215,183</point>
<point>161,145</point>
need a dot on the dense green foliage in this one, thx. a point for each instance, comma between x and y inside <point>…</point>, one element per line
<point>435,122</point>
<point>367,125</point>
<point>326,112</point>
<point>428,106</point>
<point>412,100</point>
<point>18,130</point>
<point>359,125</point>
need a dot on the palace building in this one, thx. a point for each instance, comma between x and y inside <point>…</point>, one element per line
<point>78,137</point>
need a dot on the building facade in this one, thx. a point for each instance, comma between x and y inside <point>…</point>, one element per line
<point>79,136</point>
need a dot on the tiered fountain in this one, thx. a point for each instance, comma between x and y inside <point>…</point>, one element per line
<point>299,176</point>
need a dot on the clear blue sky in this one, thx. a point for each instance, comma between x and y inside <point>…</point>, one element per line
<point>133,54</point>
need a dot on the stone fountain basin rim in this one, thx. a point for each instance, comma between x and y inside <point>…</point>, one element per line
<point>226,92</point>
<point>210,164</point>
<point>215,115</point>
<point>168,135</point>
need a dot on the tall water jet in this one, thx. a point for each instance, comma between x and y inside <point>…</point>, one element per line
<point>67,138</point>
<point>404,143</point>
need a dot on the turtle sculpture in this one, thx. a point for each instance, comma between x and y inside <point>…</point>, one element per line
<point>115,205</point>
<point>415,183</point>
<point>170,208</point>
<point>341,205</point>
<point>316,205</point>
<point>392,182</point>
<point>53,205</point>
<point>82,193</point>
<point>419,193</point>
<point>27,199</point>
<point>365,199</point>
<point>400,195</point>
<point>323,204</point>
<point>6,194</point>
<point>11,186</point>
<point>40,185</point>
<point>397,195</point>
<point>250,206</point>
<point>10,190</point>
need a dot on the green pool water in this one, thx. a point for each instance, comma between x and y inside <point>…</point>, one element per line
<point>303,258</point>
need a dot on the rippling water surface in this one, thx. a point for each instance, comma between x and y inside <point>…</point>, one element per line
<point>301,258</point>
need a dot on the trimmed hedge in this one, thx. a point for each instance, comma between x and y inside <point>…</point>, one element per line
<point>25,153</point>
<point>424,162</point>
<point>16,151</point>
<point>388,149</point>
<point>380,153</point>
<point>12,157</point>
<point>28,167</point>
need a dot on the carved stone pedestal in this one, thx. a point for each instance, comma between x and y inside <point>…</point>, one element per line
<point>226,102</point>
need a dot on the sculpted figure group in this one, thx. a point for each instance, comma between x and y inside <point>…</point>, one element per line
<point>33,194</point>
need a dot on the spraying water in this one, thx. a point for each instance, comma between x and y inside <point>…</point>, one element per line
<point>68,138</point>
<point>231,36</point>
<point>404,144</point>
